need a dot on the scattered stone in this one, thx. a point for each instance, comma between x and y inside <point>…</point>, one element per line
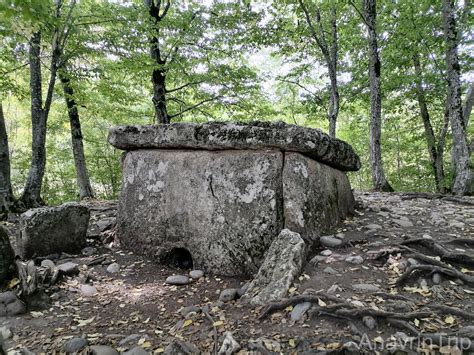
<point>75,345</point>
<point>403,223</point>
<point>334,288</point>
<point>5,333</point>
<point>373,227</point>
<point>102,350</point>
<point>48,263</point>
<point>282,264</point>
<point>317,259</point>
<point>369,322</point>
<point>132,338</point>
<point>326,252</point>
<point>189,309</point>
<point>196,274</point>
<point>330,241</point>
<point>423,283</point>
<point>356,259</point>
<point>68,268</point>
<point>412,262</point>
<point>229,294</point>
<point>330,270</point>
<point>49,230</point>
<point>11,305</point>
<point>88,290</point>
<point>89,251</point>
<point>229,345</point>
<point>113,268</point>
<point>299,310</point>
<point>177,280</point>
<point>180,347</point>
<point>366,287</point>
<point>136,351</point>
<point>241,291</point>
<point>436,278</point>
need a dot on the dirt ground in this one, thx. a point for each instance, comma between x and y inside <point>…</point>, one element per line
<point>385,237</point>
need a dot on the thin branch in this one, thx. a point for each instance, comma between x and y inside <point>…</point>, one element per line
<point>185,85</point>
<point>194,106</point>
<point>359,12</point>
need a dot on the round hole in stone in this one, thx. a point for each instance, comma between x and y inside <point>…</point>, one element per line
<point>179,257</point>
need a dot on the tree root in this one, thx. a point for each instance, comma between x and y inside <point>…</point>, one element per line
<point>452,310</point>
<point>431,196</point>
<point>442,252</point>
<point>432,269</point>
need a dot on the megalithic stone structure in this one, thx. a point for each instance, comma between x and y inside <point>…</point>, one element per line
<point>222,192</point>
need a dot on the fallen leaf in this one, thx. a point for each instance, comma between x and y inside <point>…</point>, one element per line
<point>187,322</point>
<point>292,343</point>
<point>449,320</point>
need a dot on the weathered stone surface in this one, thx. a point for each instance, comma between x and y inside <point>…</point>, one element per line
<point>224,207</point>
<point>316,196</point>
<point>232,135</point>
<point>6,254</point>
<point>50,230</point>
<point>10,304</point>
<point>281,266</point>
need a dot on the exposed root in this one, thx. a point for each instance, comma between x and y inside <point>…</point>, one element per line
<point>444,253</point>
<point>432,269</point>
<point>452,310</point>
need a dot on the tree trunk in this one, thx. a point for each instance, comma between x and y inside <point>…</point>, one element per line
<point>436,163</point>
<point>32,193</point>
<point>82,176</point>
<point>333,111</point>
<point>6,192</point>
<point>460,151</point>
<point>378,176</point>
<point>159,96</point>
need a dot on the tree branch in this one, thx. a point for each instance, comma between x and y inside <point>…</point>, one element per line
<point>194,106</point>
<point>185,85</point>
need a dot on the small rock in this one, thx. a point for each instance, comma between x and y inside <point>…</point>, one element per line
<point>334,288</point>
<point>241,291</point>
<point>189,309</point>
<point>402,265</point>
<point>130,340</point>
<point>436,278</point>
<point>136,351</point>
<point>330,241</point>
<point>373,227</point>
<point>376,244</point>
<point>412,262</point>
<point>113,268</point>
<point>68,268</point>
<point>317,259</point>
<point>102,350</point>
<point>403,223</point>
<point>330,270</point>
<point>356,259</point>
<point>369,322</point>
<point>74,345</point>
<point>180,347</point>
<point>5,333</point>
<point>177,280</point>
<point>89,251</point>
<point>88,290</point>
<point>366,287</point>
<point>299,310</point>
<point>196,274</point>
<point>326,252</point>
<point>227,295</point>
<point>423,283</point>
<point>11,305</point>
<point>229,345</point>
<point>48,263</point>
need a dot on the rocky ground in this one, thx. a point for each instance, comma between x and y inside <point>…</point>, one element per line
<point>399,274</point>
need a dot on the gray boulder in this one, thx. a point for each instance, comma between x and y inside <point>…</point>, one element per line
<point>50,230</point>
<point>11,305</point>
<point>282,264</point>
<point>6,254</point>
<point>180,347</point>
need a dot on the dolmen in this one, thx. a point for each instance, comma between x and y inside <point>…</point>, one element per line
<point>222,192</point>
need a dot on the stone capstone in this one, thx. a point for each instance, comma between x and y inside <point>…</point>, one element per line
<point>282,264</point>
<point>236,135</point>
<point>6,255</point>
<point>50,230</point>
<point>215,196</point>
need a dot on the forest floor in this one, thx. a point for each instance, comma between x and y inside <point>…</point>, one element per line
<point>390,235</point>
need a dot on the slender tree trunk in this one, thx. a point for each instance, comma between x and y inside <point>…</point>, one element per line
<point>82,175</point>
<point>460,151</point>
<point>6,192</point>
<point>438,169</point>
<point>32,193</point>
<point>378,176</point>
<point>333,111</point>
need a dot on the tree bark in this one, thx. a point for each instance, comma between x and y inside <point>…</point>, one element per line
<point>32,193</point>
<point>436,162</point>
<point>460,151</point>
<point>158,77</point>
<point>6,192</point>
<point>82,175</point>
<point>378,176</point>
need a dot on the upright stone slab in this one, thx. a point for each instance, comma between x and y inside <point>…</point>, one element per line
<point>49,230</point>
<point>224,191</point>
<point>221,206</point>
